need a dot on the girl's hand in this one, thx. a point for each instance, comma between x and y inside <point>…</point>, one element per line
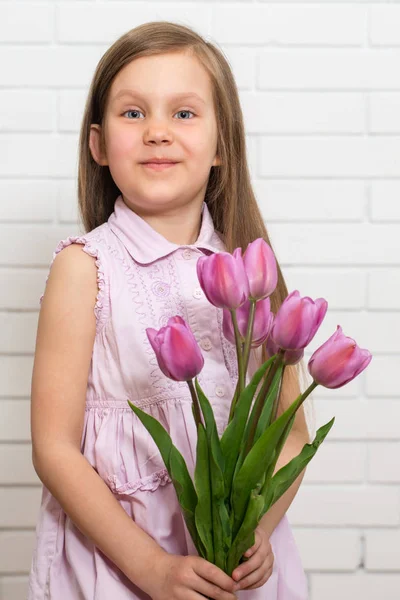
<point>256,571</point>
<point>176,577</point>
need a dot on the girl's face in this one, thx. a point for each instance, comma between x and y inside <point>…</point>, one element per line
<point>152,111</point>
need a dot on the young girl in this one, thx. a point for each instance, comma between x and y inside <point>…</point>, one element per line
<point>110,525</point>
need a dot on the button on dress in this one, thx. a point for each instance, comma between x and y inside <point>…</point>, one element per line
<point>143,280</point>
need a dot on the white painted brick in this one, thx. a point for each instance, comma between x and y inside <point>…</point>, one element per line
<point>16,549</point>
<point>304,24</point>
<point>15,423</point>
<point>384,201</point>
<point>336,244</point>
<point>384,24</point>
<point>26,22</point>
<point>38,155</point>
<point>341,548</point>
<point>243,65</point>
<point>337,462</point>
<point>67,205</point>
<point>22,110</point>
<point>382,550</point>
<point>292,113</point>
<point>346,505</point>
<point>383,419</point>
<point>367,329</point>
<point>384,288</point>
<point>330,156</point>
<point>71,108</point>
<point>381,377</point>
<point>75,21</point>
<point>48,67</point>
<point>20,506</point>
<point>321,283</point>
<point>384,334</point>
<point>20,289</point>
<point>14,587</point>
<point>383,462</point>
<point>43,241</point>
<point>357,585</point>
<point>288,2</point>
<point>32,201</point>
<point>384,113</point>
<point>18,332</point>
<point>16,465</point>
<point>329,68</point>
<point>309,201</point>
<point>373,419</point>
<point>350,418</point>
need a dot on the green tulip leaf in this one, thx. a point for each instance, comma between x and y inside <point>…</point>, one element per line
<point>283,479</point>
<point>266,413</point>
<point>245,537</point>
<point>220,516</point>
<point>257,462</point>
<point>177,469</point>
<point>264,419</point>
<point>203,511</point>
<point>233,435</point>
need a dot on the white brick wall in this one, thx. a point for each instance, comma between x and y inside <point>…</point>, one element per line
<point>320,89</point>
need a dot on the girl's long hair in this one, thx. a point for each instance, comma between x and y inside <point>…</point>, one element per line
<point>229,195</point>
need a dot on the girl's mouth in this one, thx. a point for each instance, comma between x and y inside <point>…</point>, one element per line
<point>159,166</point>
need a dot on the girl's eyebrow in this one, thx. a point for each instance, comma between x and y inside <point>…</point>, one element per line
<point>133,94</point>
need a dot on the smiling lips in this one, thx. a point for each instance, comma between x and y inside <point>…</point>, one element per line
<point>159,166</point>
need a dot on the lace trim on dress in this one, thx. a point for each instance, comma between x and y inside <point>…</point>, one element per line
<point>101,305</point>
<point>149,483</point>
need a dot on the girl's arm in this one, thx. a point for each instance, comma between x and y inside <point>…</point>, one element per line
<point>64,345</point>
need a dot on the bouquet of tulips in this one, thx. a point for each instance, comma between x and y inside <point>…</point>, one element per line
<point>234,480</point>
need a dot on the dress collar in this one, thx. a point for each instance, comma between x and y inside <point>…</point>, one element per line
<point>146,245</point>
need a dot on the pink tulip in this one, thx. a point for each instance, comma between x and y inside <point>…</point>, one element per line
<point>223,278</point>
<point>290,357</point>
<point>178,354</point>
<point>297,321</point>
<point>260,264</point>
<point>338,361</point>
<point>262,322</point>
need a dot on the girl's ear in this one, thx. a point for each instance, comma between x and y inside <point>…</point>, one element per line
<point>95,145</point>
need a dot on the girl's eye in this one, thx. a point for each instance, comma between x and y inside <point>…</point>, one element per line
<point>179,111</point>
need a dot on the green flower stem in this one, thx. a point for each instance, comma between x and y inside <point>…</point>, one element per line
<point>277,398</point>
<point>233,403</point>
<point>196,405</point>
<point>261,398</point>
<point>239,353</point>
<point>242,354</point>
<point>279,447</point>
<point>249,335</point>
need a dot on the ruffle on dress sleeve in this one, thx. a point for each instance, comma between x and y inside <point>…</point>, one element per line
<point>101,307</point>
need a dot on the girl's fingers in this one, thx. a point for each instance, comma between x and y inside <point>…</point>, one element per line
<point>211,590</point>
<point>253,578</point>
<point>261,582</point>
<point>254,563</point>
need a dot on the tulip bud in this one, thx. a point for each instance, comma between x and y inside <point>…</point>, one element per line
<point>338,361</point>
<point>297,321</point>
<point>223,278</point>
<point>178,354</point>
<point>260,264</point>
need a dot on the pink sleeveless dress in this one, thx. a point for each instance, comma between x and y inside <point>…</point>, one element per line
<point>143,280</point>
